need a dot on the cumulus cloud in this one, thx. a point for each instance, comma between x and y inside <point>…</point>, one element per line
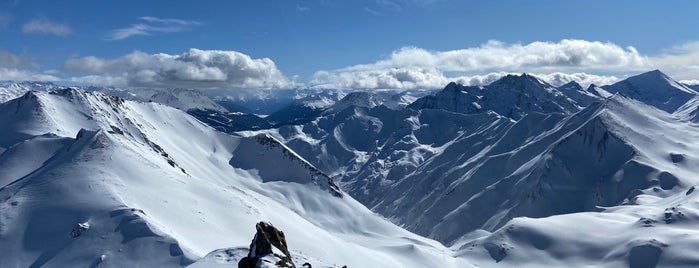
<point>193,69</point>
<point>406,66</point>
<point>392,78</point>
<point>566,54</point>
<point>584,79</point>
<point>14,74</point>
<point>41,26</point>
<point>149,25</point>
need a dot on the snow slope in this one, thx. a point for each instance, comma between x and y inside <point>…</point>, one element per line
<point>120,183</point>
<point>688,111</point>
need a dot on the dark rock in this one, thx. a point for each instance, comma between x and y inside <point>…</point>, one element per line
<point>690,191</point>
<point>266,237</point>
<point>78,229</point>
<point>248,262</point>
<point>676,158</point>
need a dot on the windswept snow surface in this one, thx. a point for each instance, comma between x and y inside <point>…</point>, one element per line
<point>98,180</point>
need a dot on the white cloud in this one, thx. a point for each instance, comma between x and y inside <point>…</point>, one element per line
<point>393,78</point>
<point>41,26</point>
<point>468,65</point>
<point>405,78</point>
<point>149,25</point>
<point>566,54</point>
<point>9,60</point>
<point>102,80</point>
<point>14,74</point>
<point>584,79</point>
<point>680,62</point>
<point>692,82</point>
<point>193,69</point>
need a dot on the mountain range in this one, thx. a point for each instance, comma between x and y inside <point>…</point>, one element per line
<point>514,173</point>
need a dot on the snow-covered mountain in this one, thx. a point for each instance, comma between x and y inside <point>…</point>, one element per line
<point>516,173</point>
<point>466,178</point>
<point>11,90</point>
<point>90,179</point>
<point>582,97</point>
<point>511,96</point>
<point>308,108</point>
<point>654,88</point>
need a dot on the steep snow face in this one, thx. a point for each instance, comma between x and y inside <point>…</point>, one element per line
<point>598,91</point>
<point>122,183</point>
<point>688,111</point>
<point>453,97</point>
<point>654,88</point>
<point>575,92</point>
<point>511,96</point>
<point>11,90</point>
<point>515,96</point>
<point>400,100</point>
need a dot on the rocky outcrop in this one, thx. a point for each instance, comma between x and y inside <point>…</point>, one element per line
<point>266,237</point>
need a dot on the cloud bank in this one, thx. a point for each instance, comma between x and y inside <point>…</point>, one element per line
<point>16,68</point>
<point>412,67</point>
<point>149,25</point>
<point>46,27</point>
<point>13,74</point>
<point>681,62</point>
<point>9,60</point>
<point>194,69</point>
<point>586,62</point>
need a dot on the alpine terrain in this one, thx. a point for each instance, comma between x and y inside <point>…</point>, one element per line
<point>515,173</point>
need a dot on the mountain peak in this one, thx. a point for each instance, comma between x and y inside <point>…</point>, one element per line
<point>654,88</point>
<point>572,85</point>
<point>522,80</point>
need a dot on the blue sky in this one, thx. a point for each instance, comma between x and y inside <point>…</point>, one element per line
<point>363,43</point>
